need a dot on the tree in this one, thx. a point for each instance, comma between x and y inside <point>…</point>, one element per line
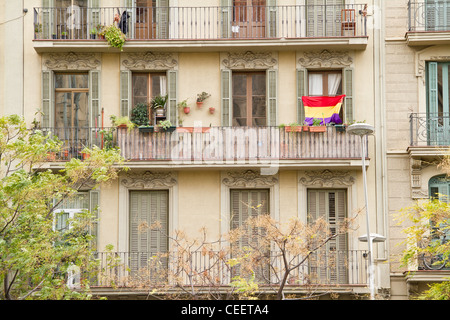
<point>427,242</point>
<point>35,257</point>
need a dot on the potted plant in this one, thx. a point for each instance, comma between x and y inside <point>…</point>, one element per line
<point>122,122</point>
<point>114,36</point>
<point>211,110</point>
<point>340,127</point>
<point>93,34</point>
<point>64,35</point>
<point>54,36</point>
<point>317,126</point>
<point>183,105</point>
<point>159,105</point>
<point>293,127</point>
<point>202,97</point>
<point>166,126</point>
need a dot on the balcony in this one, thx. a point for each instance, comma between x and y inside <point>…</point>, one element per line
<point>188,28</point>
<point>140,270</point>
<point>219,146</point>
<point>428,23</point>
<point>429,134</point>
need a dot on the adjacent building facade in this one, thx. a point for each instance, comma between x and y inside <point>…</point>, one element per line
<point>255,60</point>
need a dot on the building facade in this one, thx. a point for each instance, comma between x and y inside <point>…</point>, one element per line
<point>255,60</point>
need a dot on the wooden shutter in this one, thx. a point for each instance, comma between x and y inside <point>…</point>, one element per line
<point>125,93</point>
<point>47,98</point>
<point>302,90</point>
<point>323,18</point>
<point>348,89</point>
<point>272,18</point>
<point>162,18</point>
<point>47,19</point>
<point>94,98</point>
<point>272,89</point>
<point>329,264</point>
<point>94,14</point>
<point>226,97</point>
<point>94,202</point>
<point>437,15</point>
<point>226,18</point>
<point>172,112</point>
<point>433,103</point>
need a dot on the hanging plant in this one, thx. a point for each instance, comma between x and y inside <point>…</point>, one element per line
<point>114,36</point>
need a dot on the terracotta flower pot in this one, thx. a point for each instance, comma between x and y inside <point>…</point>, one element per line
<point>211,110</point>
<point>187,110</point>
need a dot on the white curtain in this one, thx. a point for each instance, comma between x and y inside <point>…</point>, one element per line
<point>334,81</point>
<point>163,85</point>
<point>315,84</point>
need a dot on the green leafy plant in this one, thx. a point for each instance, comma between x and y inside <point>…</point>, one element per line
<point>165,124</point>
<point>202,96</point>
<point>159,101</point>
<point>316,122</point>
<point>114,36</point>
<point>139,114</point>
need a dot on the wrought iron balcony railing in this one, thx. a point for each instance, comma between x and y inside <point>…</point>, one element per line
<point>430,129</point>
<point>203,23</point>
<point>429,15</point>
<point>213,145</point>
<point>141,269</point>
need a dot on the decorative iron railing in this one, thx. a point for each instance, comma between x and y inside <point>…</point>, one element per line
<point>213,145</point>
<point>430,129</point>
<point>203,23</point>
<point>429,15</point>
<point>141,269</point>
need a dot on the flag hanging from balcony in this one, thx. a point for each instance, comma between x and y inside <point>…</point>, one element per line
<point>323,108</point>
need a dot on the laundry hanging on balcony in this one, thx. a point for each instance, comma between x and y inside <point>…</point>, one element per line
<point>324,108</point>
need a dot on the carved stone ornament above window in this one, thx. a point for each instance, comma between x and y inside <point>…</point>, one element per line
<point>249,60</point>
<point>325,59</point>
<point>327,178</point>
<point>248,179</point>
<point>148,180</point>
<point>149,61</point>
<point>72,61</point>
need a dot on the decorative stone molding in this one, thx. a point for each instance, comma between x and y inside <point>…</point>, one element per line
<point>327,178</point>
<point>148,180</point>
<point>249,60</point>
<point>248,179</point>
<point>325,59</point>
<point>149,61</point>
<point>72,61</point>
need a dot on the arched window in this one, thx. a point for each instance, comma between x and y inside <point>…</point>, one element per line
<point>439,188</point>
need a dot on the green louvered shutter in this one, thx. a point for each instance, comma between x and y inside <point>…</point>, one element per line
<point>47,98</point>
<point>163,18</point>
<point>247,204</point>
<point>94,202</point>
<point>433,103</point>
<point>272,89</point>
<point>226,17</point>
<point>172,79</point>
<point>348,89</point>
<point>147,208</point>
<point>47,19</point>
<point>94,98</point>
<point>330,263</point>
<point>226,97</point>
<point>125,93</point>
<point>302,89</point>
<point>94,14</point>
<point>272,18</point>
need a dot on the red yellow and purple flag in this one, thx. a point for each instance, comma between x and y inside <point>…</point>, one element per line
<point>324,108</point>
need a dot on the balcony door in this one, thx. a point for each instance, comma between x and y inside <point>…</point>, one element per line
<point>249,17</point>
<point>249,99</point>
<point>147,208</point>
<point>438,111</point>
<point>72,109</point>
<point>330,264</point>
<point>324,17</point>
<point>437,15</point>
<point>151,19</point>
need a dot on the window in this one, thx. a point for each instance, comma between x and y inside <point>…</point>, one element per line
<point>438,110</point>
<point>146,86</point>
<point>330,263</point>
<point>245,204</point>
<point>323,18</point>
<point>146,209</point>
<point>249,17</point>
<point>326,83</point>
<point>71,18</point>
<point>249,99</point>
<point>437,15</point>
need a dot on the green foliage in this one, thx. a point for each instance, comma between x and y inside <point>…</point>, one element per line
<point>114,36</point>
<point>159,101</point>
<point>139,114</point>
<point>165,124</point>
<point>34,257</point>
<point>202,96</point>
